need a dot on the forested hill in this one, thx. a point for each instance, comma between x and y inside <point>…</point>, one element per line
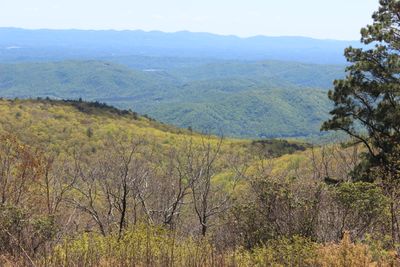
<point>85,182</point>
<point>234,98</point>
<point>62,125</point>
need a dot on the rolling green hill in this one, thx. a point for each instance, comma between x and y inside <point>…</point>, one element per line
<point>233,98</point>
<point>73,79</point>
<point>60,126</point>
<point>255,113</point>
<point>268,73</point>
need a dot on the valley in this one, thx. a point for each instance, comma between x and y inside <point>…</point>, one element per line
<point>226,98</point>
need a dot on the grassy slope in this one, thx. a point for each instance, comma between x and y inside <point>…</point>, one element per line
<point>262,99</point>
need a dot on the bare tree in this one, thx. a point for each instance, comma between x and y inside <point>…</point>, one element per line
<point>173,184</point>
<point>130,178</point>
<point>20,165</point>
<point>201,167</point>
<point>113,183</point>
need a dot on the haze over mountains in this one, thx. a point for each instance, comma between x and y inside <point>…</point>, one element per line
<point>20,44</point>
<point>244,87</point>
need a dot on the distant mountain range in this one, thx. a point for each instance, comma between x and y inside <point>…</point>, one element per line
<point>34,45</point>
<point>243,87</point>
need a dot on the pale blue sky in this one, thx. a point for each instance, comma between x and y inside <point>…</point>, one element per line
<point>333,19</point>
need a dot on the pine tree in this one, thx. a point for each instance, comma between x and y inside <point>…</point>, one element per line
<point>367,101</point>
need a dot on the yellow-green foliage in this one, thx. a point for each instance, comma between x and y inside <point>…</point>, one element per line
<point>61,126</point>
<point>142,245</point>
<point>333,161</point>
<point>149,246</point>
<point>293,182</point>
<point>297,251</point>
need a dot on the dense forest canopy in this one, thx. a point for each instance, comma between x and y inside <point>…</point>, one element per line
<point>227,97</point>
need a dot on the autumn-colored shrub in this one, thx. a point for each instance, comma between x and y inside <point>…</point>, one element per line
<point>348,254</point>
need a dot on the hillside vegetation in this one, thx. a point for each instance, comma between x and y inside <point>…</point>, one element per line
<point>85,184</point>
<point>58,126</point>
<point>227,97</point>
<point>63,125</point>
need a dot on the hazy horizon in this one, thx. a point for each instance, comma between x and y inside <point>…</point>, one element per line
<point>335,20</point>
<point>183,31</point>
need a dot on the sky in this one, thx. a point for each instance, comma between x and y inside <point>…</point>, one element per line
<point>323,19</point>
